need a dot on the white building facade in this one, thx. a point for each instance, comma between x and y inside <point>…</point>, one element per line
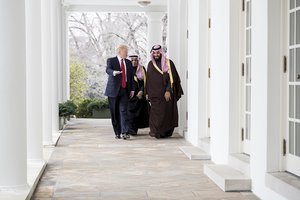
<point>239,62</point>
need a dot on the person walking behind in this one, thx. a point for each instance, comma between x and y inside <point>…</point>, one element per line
<point>138,115</point>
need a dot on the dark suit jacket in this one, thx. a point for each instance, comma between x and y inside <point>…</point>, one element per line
<point>114,82</point>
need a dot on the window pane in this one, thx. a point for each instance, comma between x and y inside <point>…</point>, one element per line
<point>247,42</point>
<point>298,27</point>
<point>291,101</point>
<point>250,43</point>
<point>298,102</point>
<point>297,143</point>
<point>292,4</point>
<point>292,28</point>
<point>248,98</point>
<point>298,3</point>
<point>248,70</point>
<point>248,126</point>
<point>292,64</point>
<point>291,138</point>
<point>297,78</point>
<point>248,14</point>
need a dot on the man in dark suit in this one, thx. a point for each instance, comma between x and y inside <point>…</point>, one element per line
<point>119,89</point>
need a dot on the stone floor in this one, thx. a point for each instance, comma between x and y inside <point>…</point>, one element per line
<point>89,163</point>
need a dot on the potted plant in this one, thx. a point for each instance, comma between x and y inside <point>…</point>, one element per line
<point>66,109</point>
<point>71,107</point>
<point>62,115</point>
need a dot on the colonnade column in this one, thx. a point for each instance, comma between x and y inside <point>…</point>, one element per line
<point>197,70</point>
<point>66,56</point>
<point>177,51</point>
<point>13,150</point>
<point>154,29</point>
<point>34,80</point>
<point>54,63</point>
<point>47,73</point>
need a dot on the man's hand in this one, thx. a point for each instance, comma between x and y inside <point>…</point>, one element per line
<point>140,95</point>
<point>131,94</point>
<point>115,73</point>
<point>167,96</point>
<point>147,97</point>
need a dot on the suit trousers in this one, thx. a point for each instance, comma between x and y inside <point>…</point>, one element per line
<point>118,111</point>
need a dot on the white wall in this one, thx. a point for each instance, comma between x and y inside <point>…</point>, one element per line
<point>197,70</point>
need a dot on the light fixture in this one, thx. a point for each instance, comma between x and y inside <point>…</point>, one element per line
<point>144,3</point>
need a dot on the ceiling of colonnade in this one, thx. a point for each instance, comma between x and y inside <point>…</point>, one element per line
<point>114,6</point>
<point>114,2</point>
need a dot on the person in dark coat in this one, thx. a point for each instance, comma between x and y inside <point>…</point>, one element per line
<point>138,115</point>
<point>119,89</point>
<point>163,89</point>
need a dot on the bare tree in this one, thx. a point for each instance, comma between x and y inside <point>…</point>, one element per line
<point>94,37</point>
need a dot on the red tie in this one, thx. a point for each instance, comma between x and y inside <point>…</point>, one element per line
<point>123,74</point>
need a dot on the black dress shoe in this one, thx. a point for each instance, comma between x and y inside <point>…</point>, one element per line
<point>125,136</point>
<point>118,137</point>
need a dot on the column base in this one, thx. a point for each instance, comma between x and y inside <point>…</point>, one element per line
<point>13,189</point>
<point>35,169</point>
<point>55,138</point>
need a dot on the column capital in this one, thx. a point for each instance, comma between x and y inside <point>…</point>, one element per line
<point>65,5</point>
<point>155,16</point>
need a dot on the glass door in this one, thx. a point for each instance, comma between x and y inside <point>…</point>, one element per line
<point>293,137</point>
<point>246,78</point>
<point>209,69</point>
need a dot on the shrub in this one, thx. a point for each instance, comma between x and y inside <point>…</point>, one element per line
<point>82,110</point>
<point>98,104</point>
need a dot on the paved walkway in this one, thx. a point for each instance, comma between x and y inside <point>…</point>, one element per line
<point>89,163</point>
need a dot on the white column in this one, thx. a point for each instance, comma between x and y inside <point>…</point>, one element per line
<point>60,50</point>
<point>34,80</point>
<point>47,73</point>
<point>267,73</point>
<point>173,43</point>
<point>177,50</point>
<point>234,76</point>
<point>183,63</point>
<point>54,63</point>
<point>66,56</point>
<point>197,69</point>
<point>174,30</point>
<point>154,29</point>
<point>220,80</point>
<point>13,167</point>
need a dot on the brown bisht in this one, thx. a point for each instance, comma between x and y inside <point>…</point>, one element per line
<point>163,114</point>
